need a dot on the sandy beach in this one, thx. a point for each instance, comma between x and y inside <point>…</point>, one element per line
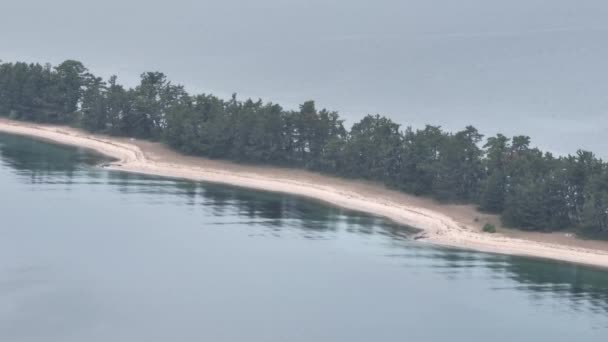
<point>447,225</point>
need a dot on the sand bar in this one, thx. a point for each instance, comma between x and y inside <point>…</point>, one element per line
<point>441,224</point>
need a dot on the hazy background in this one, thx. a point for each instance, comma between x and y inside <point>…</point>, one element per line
<point>520,66</point>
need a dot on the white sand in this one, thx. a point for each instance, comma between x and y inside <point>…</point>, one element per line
<point>438,225</point>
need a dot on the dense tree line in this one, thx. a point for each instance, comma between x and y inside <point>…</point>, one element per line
<point>531,189</point>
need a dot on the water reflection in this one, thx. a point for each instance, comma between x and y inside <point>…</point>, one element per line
<point>42,158</point>
<point>267,209</point>
<point>583,288</point>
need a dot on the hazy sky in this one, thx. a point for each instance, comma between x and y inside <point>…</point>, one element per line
<point>520,66</point>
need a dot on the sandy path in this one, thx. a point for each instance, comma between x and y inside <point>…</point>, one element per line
<point>446,225</point>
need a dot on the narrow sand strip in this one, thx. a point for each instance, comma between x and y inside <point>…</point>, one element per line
<point>438,228</point>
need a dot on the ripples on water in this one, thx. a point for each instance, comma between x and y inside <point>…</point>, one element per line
<point>564,289</point>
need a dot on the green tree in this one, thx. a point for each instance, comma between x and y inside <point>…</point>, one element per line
<point>420,159</point>
<point>118,106</point>
<point>373,149</point>
<point>70,77</point>
<point>94,110</point>
<point>595,209</point>
<point>492,196</point>
<point>459,168</point>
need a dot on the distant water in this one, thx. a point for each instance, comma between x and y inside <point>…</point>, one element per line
<point>534,67</point>
<point>92,255</point>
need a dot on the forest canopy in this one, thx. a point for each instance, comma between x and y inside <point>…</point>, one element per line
<point>529,188</point>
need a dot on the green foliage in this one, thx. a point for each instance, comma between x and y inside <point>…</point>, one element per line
<point>595,208</point>
<point>489,228</point>
<point>373,149</point>
<point>531,190</point>
<point>459,169</point>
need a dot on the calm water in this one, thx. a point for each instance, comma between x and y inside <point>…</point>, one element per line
<point>535,67</point>
<point>91,255</point>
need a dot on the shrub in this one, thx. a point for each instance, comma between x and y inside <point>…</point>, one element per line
<point>489,228</point>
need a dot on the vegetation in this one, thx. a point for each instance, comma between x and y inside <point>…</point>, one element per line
<point>489,228</point>
<point>531,189</point>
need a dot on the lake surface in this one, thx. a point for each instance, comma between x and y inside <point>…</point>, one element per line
<point>92,255</point>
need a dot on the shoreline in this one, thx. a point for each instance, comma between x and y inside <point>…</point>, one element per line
<point>447,225</point>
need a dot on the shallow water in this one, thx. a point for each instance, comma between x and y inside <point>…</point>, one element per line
<point>92,255</point>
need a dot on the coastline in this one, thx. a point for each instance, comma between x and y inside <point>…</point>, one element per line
<point>441,224</point>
